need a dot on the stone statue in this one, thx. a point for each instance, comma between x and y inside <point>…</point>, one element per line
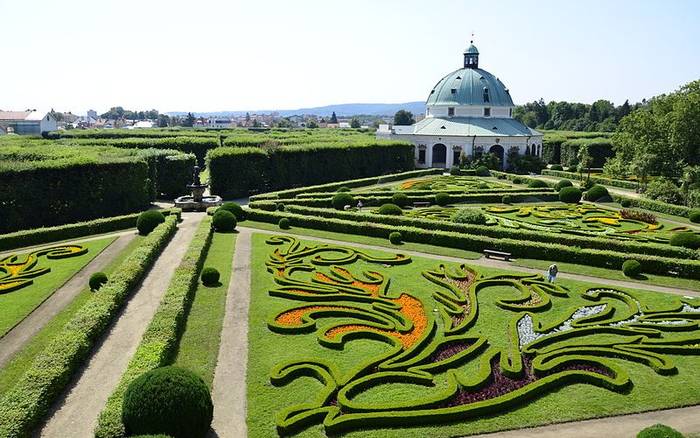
<point>195,177</point>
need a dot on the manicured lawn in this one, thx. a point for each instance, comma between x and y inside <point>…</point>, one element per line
<point>21,361</point>
<point>612,274</point>
<point>19,303</point>
<point>406,246</point>
<point>398,320</point>
<point>199,345</point>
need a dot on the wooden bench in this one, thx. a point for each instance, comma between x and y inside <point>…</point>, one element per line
<point>421,204</point>
<point>488,253</point>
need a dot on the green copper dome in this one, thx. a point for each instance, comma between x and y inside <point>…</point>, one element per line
<point>470,86</point>
<point>472,49</point>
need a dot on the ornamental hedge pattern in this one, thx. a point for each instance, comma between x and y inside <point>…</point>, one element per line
<point>18,270</point>
<point>331,299</point>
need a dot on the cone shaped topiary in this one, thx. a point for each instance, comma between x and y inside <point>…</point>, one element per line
<point>168,400</point>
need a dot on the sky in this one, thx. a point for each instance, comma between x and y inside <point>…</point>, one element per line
<point>208,55</point>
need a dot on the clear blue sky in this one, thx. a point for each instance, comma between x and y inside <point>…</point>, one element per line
<point>225,55</point>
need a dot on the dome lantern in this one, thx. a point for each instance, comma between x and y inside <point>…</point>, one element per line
<point>471,56</point>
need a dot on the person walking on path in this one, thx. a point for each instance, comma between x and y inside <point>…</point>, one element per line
<point>552,272</point>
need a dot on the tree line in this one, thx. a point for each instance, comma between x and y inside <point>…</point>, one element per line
<point>601,115</point>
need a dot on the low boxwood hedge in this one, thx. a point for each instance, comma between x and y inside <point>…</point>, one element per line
<point>159,343</point>
<point>390,209</point>
<point>25,404</point>
<point>570,195</point>
<point>596,179</point>
<point>518,246</point>
<point>505,233</point>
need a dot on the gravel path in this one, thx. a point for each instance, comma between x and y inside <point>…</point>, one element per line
<point>492,263</point>
<point>685,420</point>
<point>25,249</point>
<point>75,414</point>
<point>229,393</point>
<point>24,331</point>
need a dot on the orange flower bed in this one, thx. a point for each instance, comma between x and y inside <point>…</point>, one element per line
<point>294,317</point>
<point>414,311</point>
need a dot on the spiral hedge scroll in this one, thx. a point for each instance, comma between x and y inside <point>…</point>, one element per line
<point>434,339</point>
<point>18,270</point>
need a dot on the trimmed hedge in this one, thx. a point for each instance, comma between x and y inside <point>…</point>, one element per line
<point>234,208</point>
<point>631,268</point>
<point>571,240</point>
<point>170,400</point>
<point>158,346</point>
<point>570,195</point>
<point>596,192</point>
<point>97,280</point>
<point>341,199</point>
<point>148,221</point>
<point>519,247</point>
<point>653,205</point>
<point>26,403</point>
<point>49,193</point>
<point>659,431</point>
<point>210,276</point>
<point>395,237</point>
<point>685,239</point>
<point>241,171</point>
<point>223,221</point>
<point>333,187</point>
<point>596,179</point>
<point>694,215</point>
<point>390,209</point>
<point>283,223</point>
<point>562,183</point>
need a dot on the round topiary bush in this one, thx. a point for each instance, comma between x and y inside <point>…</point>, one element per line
<point>442,199</point>
<point>596,192</point>
<point>469,216</point>
<point>210,276</point>
<point>694,215</point>
<point>507,199</point>
<point>517,180</point>
<point>482,171</point>
<point>537,184</point>
<point>280,207</point>
<point>148,220</point>
<point>685,239</point>
<point>562,183</point>
<point>168,400</point>
<point>223,221</point>
<point>236,209</point>
<point>343,189</point>
<point>626,202</point>
<point>395,237</point>
<point>570,195</point>
<point>556,167</point>
<point>341,199</point>
<point>659,431</point>
<point>400,199</point>
<point>97,280</point>
<point>284,223</point>
<point>390,209</point>
<point>631,268</point>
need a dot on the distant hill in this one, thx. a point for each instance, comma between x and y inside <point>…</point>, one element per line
<point>342,110</point>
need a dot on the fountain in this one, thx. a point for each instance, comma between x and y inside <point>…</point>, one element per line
<point>197,201</point>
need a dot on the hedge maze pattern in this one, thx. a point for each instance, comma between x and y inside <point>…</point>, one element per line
<point>17,271</point>
<point>578,219</point>
<point>589,339</point>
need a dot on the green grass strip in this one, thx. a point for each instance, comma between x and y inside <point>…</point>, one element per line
<point>13,370</point>
<point>26,404</point>
<point>199,345</point>
<point>160,340</point>
<point>612,274</point>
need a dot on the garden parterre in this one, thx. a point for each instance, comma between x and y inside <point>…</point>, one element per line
<point>398,345</point>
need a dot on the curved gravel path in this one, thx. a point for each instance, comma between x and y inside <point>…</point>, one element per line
<point>24,331</point>
<point>229,389</point>
<point>75,413</point>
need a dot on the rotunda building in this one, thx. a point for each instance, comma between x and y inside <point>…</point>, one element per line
<point>468,112</point>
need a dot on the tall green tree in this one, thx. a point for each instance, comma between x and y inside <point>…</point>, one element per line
<point>334,118</point>
<point>355,123</point>
<point>404,118</point>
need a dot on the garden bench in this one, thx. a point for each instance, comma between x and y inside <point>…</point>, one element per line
<point>488,253</point>
<point>421,204</point>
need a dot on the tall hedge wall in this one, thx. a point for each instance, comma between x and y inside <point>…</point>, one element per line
<point>57,193</point>
<point>240,171</point>
<point>600,150</point>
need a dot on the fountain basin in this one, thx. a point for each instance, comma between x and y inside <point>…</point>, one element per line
<point>188,202</point>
